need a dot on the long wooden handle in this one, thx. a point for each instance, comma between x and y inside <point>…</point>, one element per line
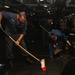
<point>22,47</point>
<point>44,29</point>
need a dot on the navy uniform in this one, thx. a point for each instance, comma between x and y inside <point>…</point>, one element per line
<point>60,38</point>
<point>14,29</point>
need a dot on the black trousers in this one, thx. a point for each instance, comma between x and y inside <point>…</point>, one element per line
<point>10,45</point>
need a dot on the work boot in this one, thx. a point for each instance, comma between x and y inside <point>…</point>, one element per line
<point>10,64</point>
<point>51,58</point>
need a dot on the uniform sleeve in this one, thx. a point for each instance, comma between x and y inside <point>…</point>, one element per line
<point>6,14</point>
<point>24,28</point>
<point>64,37</point>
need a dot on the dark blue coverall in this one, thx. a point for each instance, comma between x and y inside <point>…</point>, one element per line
<point>13,29</point>
<point>60,38</point>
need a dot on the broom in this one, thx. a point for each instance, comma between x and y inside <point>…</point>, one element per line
<point>42,61</point>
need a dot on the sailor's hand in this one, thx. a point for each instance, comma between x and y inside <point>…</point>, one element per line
<point>17,42</point>
<point>54,46</point>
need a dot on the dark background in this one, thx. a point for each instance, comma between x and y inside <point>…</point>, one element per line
<point>61,12</point>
